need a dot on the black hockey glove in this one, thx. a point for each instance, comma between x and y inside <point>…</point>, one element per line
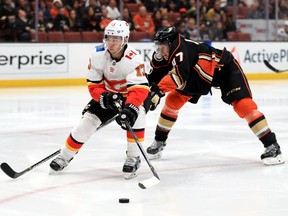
<point>128,114</point>
<point>108,100</point>
<point>155,94</point>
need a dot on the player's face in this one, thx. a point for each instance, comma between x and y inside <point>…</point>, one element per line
<point>113,44</point>
<point>164,49</point>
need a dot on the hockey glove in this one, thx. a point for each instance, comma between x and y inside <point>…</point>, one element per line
<point>155,94</point>
<point>128,114</point>
<point>108,99</point>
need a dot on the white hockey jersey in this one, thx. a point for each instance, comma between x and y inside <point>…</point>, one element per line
<point>126,76</point>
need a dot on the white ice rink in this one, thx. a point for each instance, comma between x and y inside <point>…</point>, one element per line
<point>210,167</point>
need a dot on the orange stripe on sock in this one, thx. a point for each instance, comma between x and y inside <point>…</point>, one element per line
<point>139,134</point>
<point>72,144</point>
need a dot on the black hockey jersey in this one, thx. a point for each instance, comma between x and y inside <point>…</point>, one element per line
<point>191,69</point>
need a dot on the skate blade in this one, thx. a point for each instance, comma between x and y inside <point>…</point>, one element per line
<point>154,156</point>
<point>128,176</point>
<point>273,161</point>
<point>53,172</point>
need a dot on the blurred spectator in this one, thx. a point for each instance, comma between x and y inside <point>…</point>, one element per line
<point>216,14</point>
<point>217,31</point>
<point>74,21</point>
<point>205,31</point>
<point>192,10</point>
<point>162,6</point>
<point>149,4</point>
<point>172,7</point>
<point>282,33</point>
<point>23,27</point>
<point>183,17</point>
<point>90,21</point>
<point>255,11</point>
<point>192,29</point>
<point>7,20</point>
<point>182,4</point>
<point>8,29</point>
<point>8,9</point>
<point>283,9</point>
<point>126,15</point>
<point>165,22</point>
<point>182,30</point>
<point>105,20</point>
<point>26,6</point>
<point>78,7</point>
<point>96,4</point>
<point>61,22</point>
<point>56,6</point>
<point>157,19</point>
<point>43,26</point>
<point>113,11</point>
<point>143,21</point>
<point>229,26</point>
<point>45,10</point>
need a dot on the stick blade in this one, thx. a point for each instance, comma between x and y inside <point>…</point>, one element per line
<point>147,183</point>
<point>270,66</point>
<point>8,170</point>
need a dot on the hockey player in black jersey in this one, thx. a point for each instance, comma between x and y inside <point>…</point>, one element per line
<point>185,70</point>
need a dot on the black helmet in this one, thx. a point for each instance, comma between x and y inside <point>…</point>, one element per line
<point>166,35</point>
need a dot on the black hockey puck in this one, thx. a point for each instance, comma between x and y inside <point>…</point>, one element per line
<point>124,200</point>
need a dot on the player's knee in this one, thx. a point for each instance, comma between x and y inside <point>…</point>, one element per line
<point>244,107</point>
<point>86,127</point>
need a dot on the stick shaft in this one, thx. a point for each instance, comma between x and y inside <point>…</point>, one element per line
<point>141,149</point>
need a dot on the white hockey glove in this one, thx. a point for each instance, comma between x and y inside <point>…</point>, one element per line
<point>155,94</point>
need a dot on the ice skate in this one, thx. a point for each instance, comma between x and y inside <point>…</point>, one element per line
<point>130,167</point>
<point>272,155</point>
<point>59,163</point>
<point>155,150</point>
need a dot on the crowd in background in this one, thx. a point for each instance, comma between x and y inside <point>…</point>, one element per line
<point>17,17</point>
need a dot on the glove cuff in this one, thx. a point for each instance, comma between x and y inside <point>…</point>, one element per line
<point>134,108</point>
<point>101,100</point>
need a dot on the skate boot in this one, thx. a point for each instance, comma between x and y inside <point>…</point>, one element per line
<point>272,155</point>
<point>155,150</point>
<point>59,163</point>
<point>130,167</point>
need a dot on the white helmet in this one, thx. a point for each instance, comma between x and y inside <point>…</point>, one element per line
<point>118,28</point>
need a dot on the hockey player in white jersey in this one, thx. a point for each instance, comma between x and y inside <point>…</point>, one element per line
<point>116,74</point>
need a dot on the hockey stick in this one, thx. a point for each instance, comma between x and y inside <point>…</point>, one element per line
<point>147,182</point>
<point>273,68</point>
<point>12,174</point>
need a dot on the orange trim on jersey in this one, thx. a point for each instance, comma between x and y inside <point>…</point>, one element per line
<point>206,66</point>
<point>116,85</point>
<point>96,90</point>
<point>137,95</point>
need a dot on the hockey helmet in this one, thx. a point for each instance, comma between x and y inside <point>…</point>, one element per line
<point>166,35</point>
<point>118,28</point>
